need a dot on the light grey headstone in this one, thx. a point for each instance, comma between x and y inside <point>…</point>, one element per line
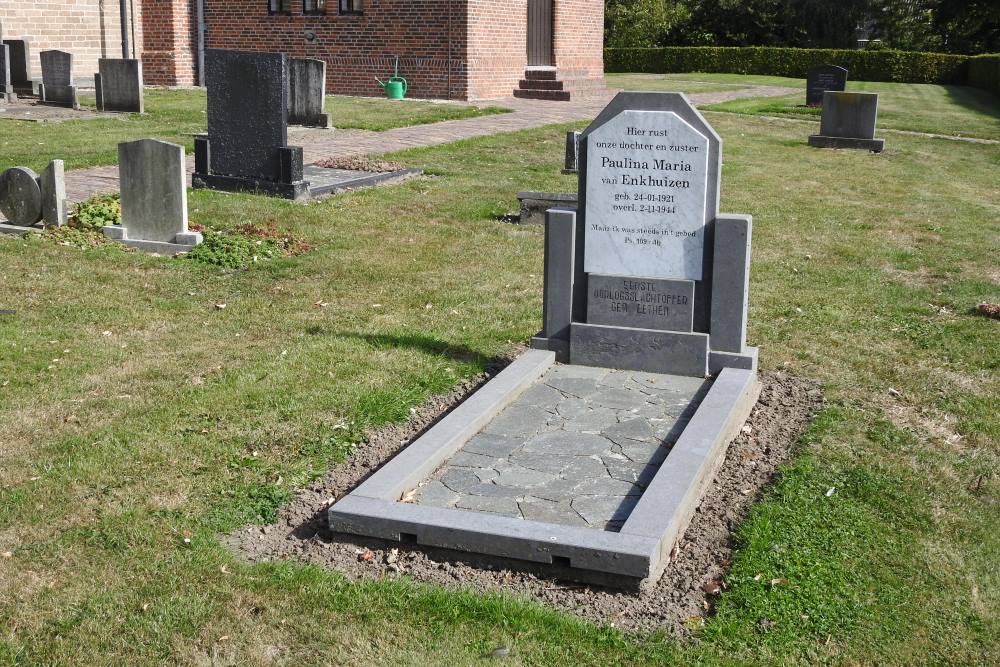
<point>20,196</point>
<point>849,115</point>
<point>53,187</point>
<point>645,303</point>
<point>120,87</point>
<point>57,78</point>
<point>307,92</point>
<point>6,87</point>
<point>153,191</point>
<point>647,197</point>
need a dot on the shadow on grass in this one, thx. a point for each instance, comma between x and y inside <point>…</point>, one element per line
<point>415,341</point>
<point>975,99</point>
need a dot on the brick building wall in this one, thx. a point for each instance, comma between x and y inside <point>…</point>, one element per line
<point>89,29</point>
<point>498,52</point>
<point>169,55</point>
<point>579,37</point>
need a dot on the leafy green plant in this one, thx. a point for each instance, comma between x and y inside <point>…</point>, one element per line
<point>98,212</point>
<point>245,245</point>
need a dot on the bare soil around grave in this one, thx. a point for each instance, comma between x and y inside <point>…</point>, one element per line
<point>675,604</point>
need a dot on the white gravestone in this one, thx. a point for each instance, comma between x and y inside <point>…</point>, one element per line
<point>646,197</point>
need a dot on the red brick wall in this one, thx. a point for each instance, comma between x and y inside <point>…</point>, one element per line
<point>498,31</point>
<point>89,29</point>
<point>357,48</point>
<point>169,56</point>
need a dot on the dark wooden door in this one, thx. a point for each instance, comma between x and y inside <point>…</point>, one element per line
<point>539,33</point>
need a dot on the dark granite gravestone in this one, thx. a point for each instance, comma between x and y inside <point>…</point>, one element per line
<point>26,199</point>
<point>20,67</point>
<point>307,92</point>
<point>658,278</point>
<point>57,79</point>
<point>848,121</point>
<point>118,85</point>
<point>822,78</point>
<point>6,89</point>
<point>246,148</point>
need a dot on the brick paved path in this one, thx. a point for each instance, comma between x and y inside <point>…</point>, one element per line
<point>319,144</point>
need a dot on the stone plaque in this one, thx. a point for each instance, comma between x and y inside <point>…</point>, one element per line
<point>646,197</point>
<point>850,115</point>
<point>121,85</point>
<point>153,191</point>
<point>644,303</point>
<point>822,78</point>
<point>247,112</point>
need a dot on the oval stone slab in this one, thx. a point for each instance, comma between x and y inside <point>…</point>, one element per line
<point>20,196</point>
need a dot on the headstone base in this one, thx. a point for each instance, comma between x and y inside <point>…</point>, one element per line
<point>182,242</point>
<point>821,141</point>
<point>18,230</point>
<point>557,345</point>
<point>8,95</point>
<point>321,121</point>
<point>296,191</point>
<point>746,360</point>
<point>64,96</point>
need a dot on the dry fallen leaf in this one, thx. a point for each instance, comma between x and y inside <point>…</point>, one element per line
<point>712,586</point>
<point>366,556</point>
<point>220,305</point>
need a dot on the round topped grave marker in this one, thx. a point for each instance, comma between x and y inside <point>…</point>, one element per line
<point>20,196</point>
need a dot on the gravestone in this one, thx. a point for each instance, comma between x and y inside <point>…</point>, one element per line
<point>28,200</point>
<point>307,92</point>
<point>572,153</point>
<point>848,121</point>
<point>153,198</point>
<point>246,147</point>
<point>822,78</point>
<point>57,79</point>
<point>20,67</point>
<point>647,275</point>
<point>6,87</point>
<point>118,85</point>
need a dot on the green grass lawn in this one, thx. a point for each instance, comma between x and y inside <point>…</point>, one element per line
<point>178,115</point>
<point>140,421</point>
<point>669,82</point>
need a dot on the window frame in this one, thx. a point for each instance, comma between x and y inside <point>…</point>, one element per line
<point>316,11</point>
<point>350,12</point>
<point>274,8</point>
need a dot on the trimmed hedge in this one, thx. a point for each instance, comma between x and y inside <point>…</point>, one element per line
<point>984,72</point>
<point>863,64</point>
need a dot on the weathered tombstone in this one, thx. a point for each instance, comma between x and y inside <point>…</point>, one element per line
<point>572,153</point>
<point>118,85</point>
<point>6,87</point>
<point>57,79</point>
<point>307,92</point>
<point>27,199</point>
<point>658,278</point>
<point>246,148</point>
<point>20,67</point>
<point>848,121</point>
<point>153,198</point>
<point>822,78</point>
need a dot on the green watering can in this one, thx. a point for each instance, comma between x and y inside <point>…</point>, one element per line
<point>395,87</point>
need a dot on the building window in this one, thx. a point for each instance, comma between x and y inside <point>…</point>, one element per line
<point>279,6</point>
<point>314,7</point>
<point>350,6</point>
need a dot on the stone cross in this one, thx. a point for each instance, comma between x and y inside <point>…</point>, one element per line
<point>647,275</point>
<point>118,85</point>
<point>246,147</point>
<point>57,79</point>
<point>153,198</point>
<point>307,92</point>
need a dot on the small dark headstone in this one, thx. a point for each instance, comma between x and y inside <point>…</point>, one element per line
<point>20,66</point>
<point>248,126</point>
<point>119,85</point>
<point>57,79</point>
<point>20,196</point>
<point>822,78</point>
<point>307,92</point>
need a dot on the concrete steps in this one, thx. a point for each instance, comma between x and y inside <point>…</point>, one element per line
<point>550,84</point>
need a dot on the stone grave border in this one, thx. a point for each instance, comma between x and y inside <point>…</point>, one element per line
<point>638,552</point>
<point>318,189</point>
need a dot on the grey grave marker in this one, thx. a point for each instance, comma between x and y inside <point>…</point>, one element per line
<point>20,67</point>
<point>57,79</point>
<point>822,78</point>
<point>307,92</point>
<point>848,121</point>
<point>153,198</point>
<point>27,199</point>
<point>6,87</point>
<point>246,148</point>
<point>118,85</point>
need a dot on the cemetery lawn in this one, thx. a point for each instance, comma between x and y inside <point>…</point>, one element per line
<point>178,115</point>
<point>141,419</point>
